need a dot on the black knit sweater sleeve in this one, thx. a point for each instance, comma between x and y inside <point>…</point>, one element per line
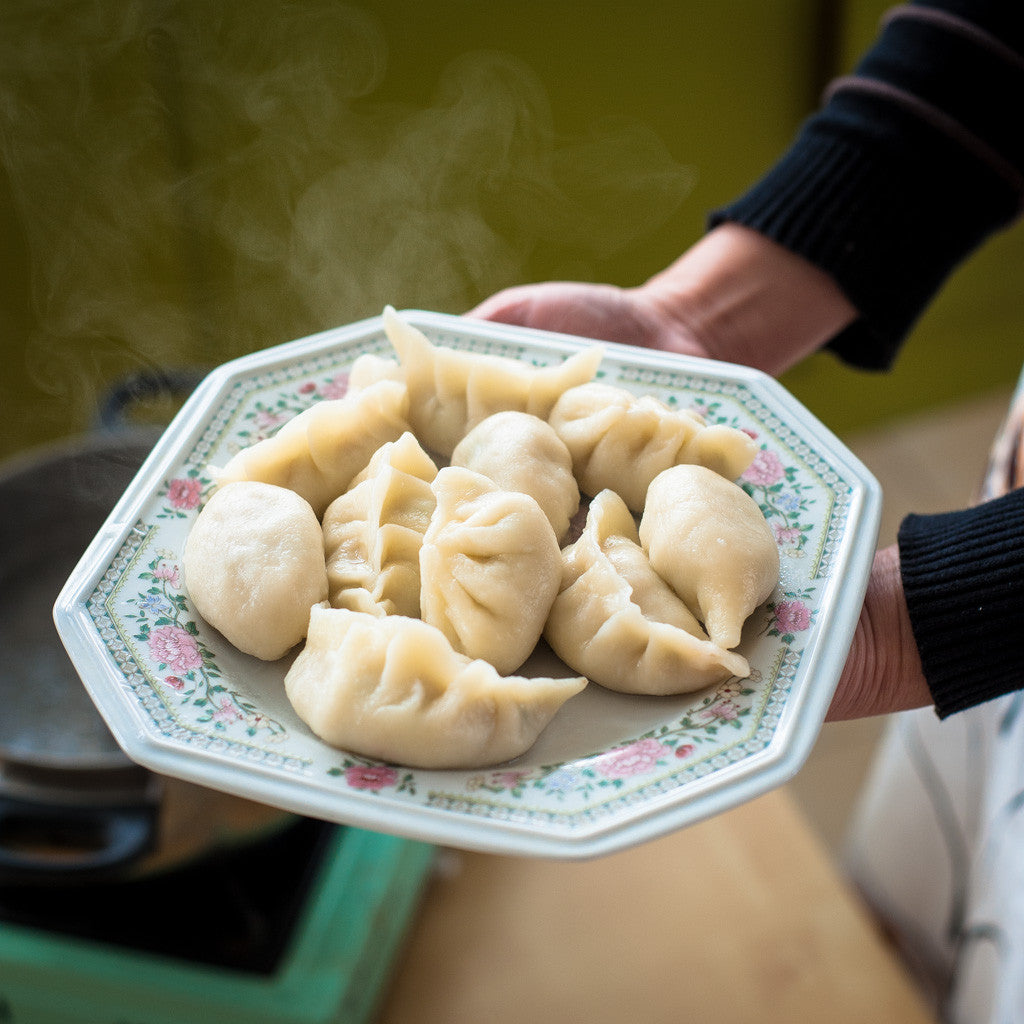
<point>963,579</point>
<point>914,160</point>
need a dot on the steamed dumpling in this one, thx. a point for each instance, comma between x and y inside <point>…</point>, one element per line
<point>450,391</point>
<point>254,565</point>
<point>369,368</point>
<point>521,452</point>
<point>618,623</point>
<point>621,441</point>
<point>393,689</point>
<point>318,453</point>
<point>489,567</point>
<point>373,532</point>
<point>709,540</point>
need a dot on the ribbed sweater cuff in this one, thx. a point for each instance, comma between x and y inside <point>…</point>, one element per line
<point>885,230</point>
<point>963,575</point>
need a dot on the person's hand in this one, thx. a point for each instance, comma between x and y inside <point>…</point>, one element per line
<point>883,671</point>
<point>603,312</point>
<point>734,296</point>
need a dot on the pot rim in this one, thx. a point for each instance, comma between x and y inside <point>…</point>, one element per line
<point>26,471</point>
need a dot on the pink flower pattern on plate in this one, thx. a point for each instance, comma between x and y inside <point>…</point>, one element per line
<point>765,470</point>
<point>227,712</point>
<point>634,759</point>
<point>168,572</point>
<point>727,709</point>
<point>792,617</point>
<point>336,387</point>
<point>184,493</point>
<point>267,420</point>
<point>508,780</point>
<point>368,776</point>
<point>176,648</point>
<point>786,535</point>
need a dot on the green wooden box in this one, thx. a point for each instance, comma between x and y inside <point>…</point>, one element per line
<point>334,969</point>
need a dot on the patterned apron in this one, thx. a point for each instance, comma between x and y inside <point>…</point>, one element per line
<point>937,844</point>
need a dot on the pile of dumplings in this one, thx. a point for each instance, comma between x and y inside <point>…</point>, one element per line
<point>416,537</point>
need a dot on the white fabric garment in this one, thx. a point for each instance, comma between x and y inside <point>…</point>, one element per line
<point>937,844</point>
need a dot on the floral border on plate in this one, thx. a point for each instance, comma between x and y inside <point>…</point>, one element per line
<point>143,619</point>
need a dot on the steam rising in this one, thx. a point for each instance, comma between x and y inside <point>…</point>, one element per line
<point>199,180</point>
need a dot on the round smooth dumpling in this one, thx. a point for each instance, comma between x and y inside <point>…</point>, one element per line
<point>708,539</point>
<point>521,452</point>
<point>616,621</point>
<point>374,531</point>
<point>393,688</point>
<point>620,441</point>
<point>489,568</point>
<point>254,566</point>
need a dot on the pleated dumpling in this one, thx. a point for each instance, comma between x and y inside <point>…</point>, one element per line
<point>708,539</point>
<point>369,368</point>
<point>450,390</point>
<point>254,565</point>
<point>521,452</point>
<point>319,452</point>
<point>489,568</point>
<point>616,621</point>
<point>374,531</point>
<point>394,689</point>
<point>621,441</point>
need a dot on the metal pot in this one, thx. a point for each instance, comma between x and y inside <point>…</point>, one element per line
<point>73,807</point>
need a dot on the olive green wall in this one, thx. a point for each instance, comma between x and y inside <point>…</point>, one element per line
<point>186,182</point>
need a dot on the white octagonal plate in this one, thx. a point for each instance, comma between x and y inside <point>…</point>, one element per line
<point>611,770</point>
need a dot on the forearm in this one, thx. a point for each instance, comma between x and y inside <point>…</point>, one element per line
<point>749,300</point>
<point>914,161</point>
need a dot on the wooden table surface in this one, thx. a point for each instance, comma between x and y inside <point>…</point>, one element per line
<point>742,918</point>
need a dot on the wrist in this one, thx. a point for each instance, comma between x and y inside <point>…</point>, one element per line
<point>750,301</point>
<point>883,672</point>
